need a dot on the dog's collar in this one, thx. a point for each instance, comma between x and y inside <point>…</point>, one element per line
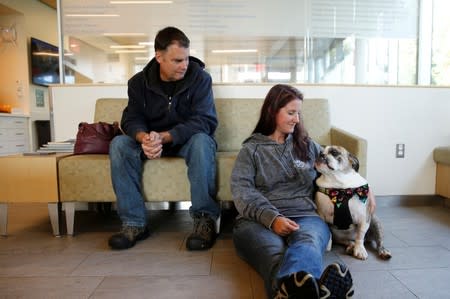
<point>337,196</point>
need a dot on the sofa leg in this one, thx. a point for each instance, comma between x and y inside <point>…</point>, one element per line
<point>54,217</point>
<point>3,219</point>
<point>218,224</point>
<point>69,208</point>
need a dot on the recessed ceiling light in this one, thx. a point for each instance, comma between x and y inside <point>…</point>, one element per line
<point>92,15</point>
<point>126,47</point>
<point>124,34</point>
<point>130,51</point>
<point>45,54</point>
<point>141,2</point>
<point>235,51</point>
<point>142,58</point>
<point>146,43</point>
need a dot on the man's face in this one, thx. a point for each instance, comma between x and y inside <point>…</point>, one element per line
<point>173,62</point>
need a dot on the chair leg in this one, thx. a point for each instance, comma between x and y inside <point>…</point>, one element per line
<point>69,208</point>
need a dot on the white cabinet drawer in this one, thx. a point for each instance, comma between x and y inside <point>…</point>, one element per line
<point>17,134</point>
<point>11,147</point>
<point>13,122</point>
<point>4,148</point>
<point>13,135</point>
<point>3,134</point>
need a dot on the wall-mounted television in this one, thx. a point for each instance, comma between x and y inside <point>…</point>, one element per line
<point>44,63</point>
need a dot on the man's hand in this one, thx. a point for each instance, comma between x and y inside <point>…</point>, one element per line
<point>284,226</point>
<point>151,145</point>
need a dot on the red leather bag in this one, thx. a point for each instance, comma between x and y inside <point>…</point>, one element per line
<point>95,138</point>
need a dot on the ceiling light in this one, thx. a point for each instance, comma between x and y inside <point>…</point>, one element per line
<point>131,51</point>
<point>124,34</point>
<point>126,47</point>
<point>235,51</point>
<point>45,54</point>
<point>142,58</point>
<point>91,15</point>
<point>141,2</point>
<point>146,43</point>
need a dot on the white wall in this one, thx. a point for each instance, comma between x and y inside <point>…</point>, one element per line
<point>72,104</point>
<point>14,62</point>
<point>419,117</point>
<point>34,19</point>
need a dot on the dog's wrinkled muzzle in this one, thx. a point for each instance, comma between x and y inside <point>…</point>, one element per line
<point>322,159</point>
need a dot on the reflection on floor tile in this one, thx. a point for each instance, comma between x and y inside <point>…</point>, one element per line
<point>169,287</point>
<point>48,287</point>
<point>35,264</point>
<point>426,282</point>
<point>136,263</point>
<point>379,285</point>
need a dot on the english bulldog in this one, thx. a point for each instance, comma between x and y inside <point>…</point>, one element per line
<point>342,200</point>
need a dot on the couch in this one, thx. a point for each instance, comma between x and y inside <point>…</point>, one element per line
<point>86,178</point>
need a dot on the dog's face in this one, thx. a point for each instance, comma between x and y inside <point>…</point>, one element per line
<point>336,159</point>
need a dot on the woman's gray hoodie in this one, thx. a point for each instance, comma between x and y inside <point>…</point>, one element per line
<point>268,180</point>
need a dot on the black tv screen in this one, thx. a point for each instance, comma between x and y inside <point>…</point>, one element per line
<point>44,63</point>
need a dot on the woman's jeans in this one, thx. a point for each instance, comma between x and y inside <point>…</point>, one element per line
<point>126,159</point>
<point>273,256</point>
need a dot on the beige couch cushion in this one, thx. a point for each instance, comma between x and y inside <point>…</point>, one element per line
<point>238,117</point>
<point>87,178</point>
<point>109,110</point>
<point>442,155</point>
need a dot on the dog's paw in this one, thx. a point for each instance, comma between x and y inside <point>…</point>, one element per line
<point>384,253</point>
<point>360,252</point>
<point>349,248</point>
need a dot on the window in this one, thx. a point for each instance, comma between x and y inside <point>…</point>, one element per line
<point>253,41</point>
<point>440,57</point>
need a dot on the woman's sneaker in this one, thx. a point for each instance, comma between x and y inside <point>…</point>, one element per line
<point>336,282</point>
<point>297,286</point>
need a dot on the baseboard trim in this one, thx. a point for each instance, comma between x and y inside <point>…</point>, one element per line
<point>411,200</point>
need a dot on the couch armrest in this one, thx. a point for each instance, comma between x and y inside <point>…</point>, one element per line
<point>354,144</point>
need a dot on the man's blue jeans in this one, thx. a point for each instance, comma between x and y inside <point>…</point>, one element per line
<point>126,155</point>
<point>273,256</point>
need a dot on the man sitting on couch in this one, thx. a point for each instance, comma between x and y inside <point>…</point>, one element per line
<point>170,112</point>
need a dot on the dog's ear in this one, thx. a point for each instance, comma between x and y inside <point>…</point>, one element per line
<point>355,162</point>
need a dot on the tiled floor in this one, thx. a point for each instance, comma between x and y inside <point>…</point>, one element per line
<point>34,264</point>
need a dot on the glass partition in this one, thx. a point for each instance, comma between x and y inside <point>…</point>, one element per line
<point>440,70</point>
<point>296,41</point>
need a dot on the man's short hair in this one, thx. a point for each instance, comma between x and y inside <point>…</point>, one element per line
<point>168,36</point>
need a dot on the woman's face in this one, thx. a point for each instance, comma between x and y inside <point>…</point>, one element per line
<point>287,117</point>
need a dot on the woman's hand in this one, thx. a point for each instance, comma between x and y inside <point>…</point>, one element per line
<point>284,226</point>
